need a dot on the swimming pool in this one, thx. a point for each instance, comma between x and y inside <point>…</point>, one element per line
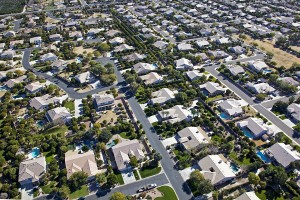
<point>155,65</point>
<point>111,144</point>
<point>78,60</point>
<point>225,116</point>
<point>34,153</point>
<point>267,71</point>
<point>3,88</point>
<point>40,123</point>
<point>234,168</point>
<point>247,133</point>
<point>263,157</point>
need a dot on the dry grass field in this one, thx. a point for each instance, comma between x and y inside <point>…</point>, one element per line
<point>81,50</point>
<point>11,6</point>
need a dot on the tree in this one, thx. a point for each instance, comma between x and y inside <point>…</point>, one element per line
<point>64,192</point>
<point>133,162</point>
<point>205,187</point>
<point>253,179</point>
<point>103,47</point>
<point>181,96</point>
<point>77,180</point>
<point>101,178</point>
<point>118,196</point>
<point>280,106</point>
<point>297,127</point>
<point>199,183</point>
<point>260,97</point>
<point>111,179</point>
<point>104,135</point>
<point>2,161</point>
<point>274,175</point>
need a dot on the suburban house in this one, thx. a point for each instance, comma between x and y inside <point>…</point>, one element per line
<point>34,87</point>
<point>212,89</point>
<point>48,57</point>
<point>194,75</point>
<point>117,40</point>
<point>76,161</point>
<point>283,154</point>
<point>160,45</point>
<point>260,88</point>
<point>192,137</point>
<point>202,43</point>
<point>11,82</point>
<point>143,68</point>
<point>289,80</point>
<point>218,54</point>
<point>256,126</point>
<point>222,40</point>
<point>162,96</point>
<point>185,47</point>
<point>216,168</point>
<point>123,47</point>
<point>59,65</point>
<point>152,78</point>
<point>42,102</point>
<point>237,50</point>
<point>8,54</point>
<point>134,57</point>
<point>248,196</point>
<point>294,111</point>
<point>112,33</point>
<point>235,70</point>
<point>59,115</point>
<point>36,40</point>
<point>232,107</point>
<point>183,64</point>
<point>257,66</point>
<point>84,77</point>
<point>30,171</point>
<point>124,150</point>
<point>175,114</point>
<point>76,34</point>
<point>55,37</point>
<point>104,102</point>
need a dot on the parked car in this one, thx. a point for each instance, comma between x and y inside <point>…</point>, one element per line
<point>142,189</point>
<point>151,186</point>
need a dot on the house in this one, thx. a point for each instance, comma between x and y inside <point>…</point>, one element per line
<point>162,96</point>
<point>112,33</point>
<point>152,78</point>
<point>232,107</point>
<point>160,44</point>
<point>8,54</point>
<point>59,115</point>
<point>55,37</point>
<point>175,114</point>
<point>9,34</point>
<point>143,68</point>
<point>123,47</point>
<point>216,168</point>
<point>84,77</point>
<point>237,50</point>
<point>59,65</point>
<point>294,111</point>
<point>194,75</point>
<point>183,64</point>
<point>192,137</point>
<point>11,82</point>
<point>14,44</point>
<point>256,126</point>
<point>42,102</point>
<point>222,40</point>
<point>260,88</point>
<point>212,89</point>
<point>104,102</point>
<point>49,27</point>
<point>48,57</point>
<point>235,70</point>
<point>94,31</point>
<point>257,66</point>
<point>34,87</point>
<point>76,34</point>
<point>283,154</point>
<point>202,43</point>
<point>77,161</point>
<point>185,47</point>
<point>134,57</point>
<point>31,171</point>
<point>36,40</point>
<point>248,196</point>
<point>117,40</point>
<point>124,150</point>
<point>289,80</point>
<point>218,54</point>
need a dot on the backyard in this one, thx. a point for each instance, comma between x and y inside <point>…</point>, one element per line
<point>268,194</point>
<point>149,171</point>
<point>57,129</point>
<point>47,189</point>
<point>69,105</point>
<point>79,193</point>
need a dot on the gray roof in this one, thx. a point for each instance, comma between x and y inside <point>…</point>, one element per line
<point>32,170</point>
<point>191,137</point>
<point>283,154</point>
<point>294,110</point>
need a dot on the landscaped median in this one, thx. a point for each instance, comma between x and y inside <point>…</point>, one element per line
<point>167,193</point>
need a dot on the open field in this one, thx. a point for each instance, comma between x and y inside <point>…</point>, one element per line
<point>50,20</point>
<point>281,57</point>
<point>295,48</point>
<point>81,50</point>
<point>11,6</point>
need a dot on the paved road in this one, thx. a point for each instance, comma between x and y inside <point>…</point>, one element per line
<point>181,188</point>
<point>68,89</point>
<point>259,107</point>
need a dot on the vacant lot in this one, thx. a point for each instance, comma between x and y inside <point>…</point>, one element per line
<point>81,50</point>
<point>281,57</point>
<point>295,48</point>
<point>11,6</point>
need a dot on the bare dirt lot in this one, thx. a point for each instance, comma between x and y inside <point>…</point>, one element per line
<point>81,50</point>
<point>295,48</point>
<point>281,57</point>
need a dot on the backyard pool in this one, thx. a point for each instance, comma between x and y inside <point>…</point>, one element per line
<point>88,143</point>
<point>263,157</point>
<point>247,133</point>
<point>225,116</point>
<point>40,124</point>
<point>34,153</point>
<point>267,71</point>
<point>3,88</point>
<point>78,60</point>
<point>111,144</point>
<point>155,65</point>
<point>234,168</point>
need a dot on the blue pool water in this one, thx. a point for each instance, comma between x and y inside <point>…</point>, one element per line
<point>111,144</point>
<point>40,123</point>
<point>155,65</point>
<point>224,115</point>
<point>78,60</point>
<point>266,71</point>
<point>34,153</point>
<point>3,88</point>
<point>247,133</point>
<point>88,143</point>
<point>234,168</point>
<point>263,157</point>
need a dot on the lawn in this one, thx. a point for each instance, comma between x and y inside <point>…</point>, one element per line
<point>167,192</point>
<point>245,161</point>
<point>69,105</point>
<point>136,175</point>
<point>11,6</point>
<point>79,193</point>
<point>47,189</point>
<point>149,171</point>
<point>119,177</point>
<point>125,135</point>
<point>214,98</point>
<point>57,129</point>
<point>49,157</point>
<point>268,195</point>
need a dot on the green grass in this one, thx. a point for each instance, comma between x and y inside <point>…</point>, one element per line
<point>214,98</point>
<point>57,129</point>
<point>136,175</point>
<point>149,171</point>
<point>35,193</point>
<point>282,117</point>
<point>125,135</point>
<point>49,157</point>
<point>47,189</point>
<point>119,177</point>
<point>79,193</point>
<point>268,195</point>
<point>244,161</point>
<point>168,193</point>
<point>69,105</point>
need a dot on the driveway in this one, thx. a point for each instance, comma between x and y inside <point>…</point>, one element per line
<point>128,176</point>
<point>185,173</point>
<point>169,141</point>
<point>27,192</point>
